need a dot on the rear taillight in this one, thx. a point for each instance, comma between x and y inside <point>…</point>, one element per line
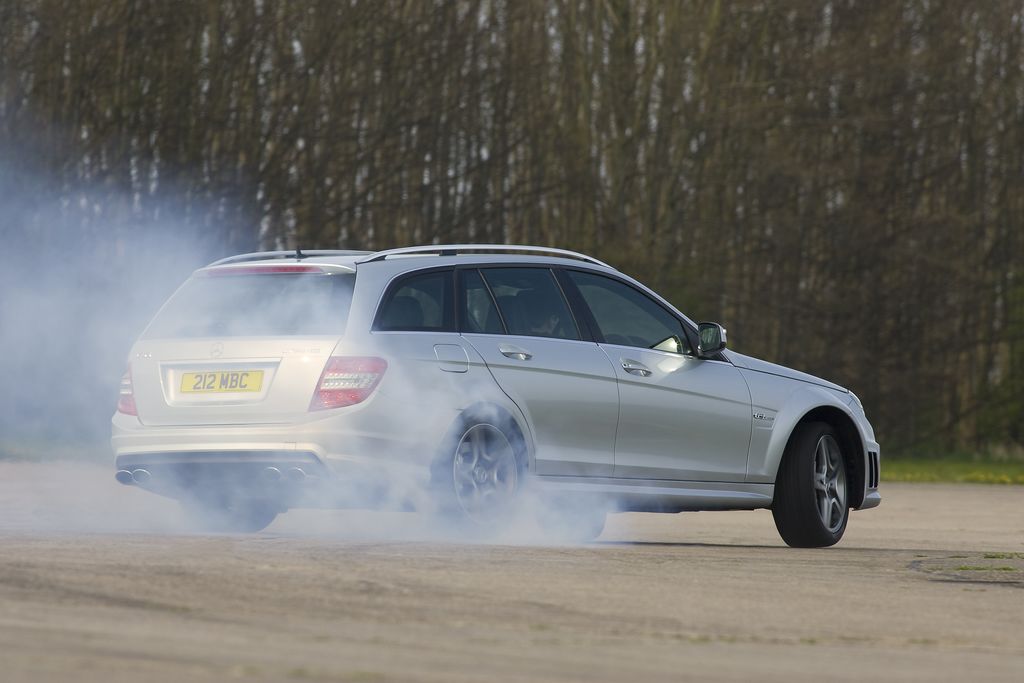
<point>347,381</point>
<point>126,398</point>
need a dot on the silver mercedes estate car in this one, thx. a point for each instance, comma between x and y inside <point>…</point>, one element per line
<point>461,379</point>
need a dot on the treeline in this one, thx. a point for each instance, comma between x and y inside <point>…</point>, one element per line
<point>840,182</point>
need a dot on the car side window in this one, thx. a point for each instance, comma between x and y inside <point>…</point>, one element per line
<point>531,302</point>
<point>419,302</point>
<point>628,317</point>
<point>479,314</point>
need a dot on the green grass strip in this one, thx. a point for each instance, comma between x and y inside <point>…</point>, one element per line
<point>953,470</point>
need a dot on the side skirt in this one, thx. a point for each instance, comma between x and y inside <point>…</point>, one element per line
<point>656,495</point>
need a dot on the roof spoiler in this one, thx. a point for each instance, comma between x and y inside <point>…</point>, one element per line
<point>296,254</point>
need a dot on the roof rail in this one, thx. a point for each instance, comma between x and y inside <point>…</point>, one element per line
<point>296,254</point>
<point>454,249</point>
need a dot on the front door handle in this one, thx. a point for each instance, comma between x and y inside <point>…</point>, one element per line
<point>634,367</point>
<point>516,352</point>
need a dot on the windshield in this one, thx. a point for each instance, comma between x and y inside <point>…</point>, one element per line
<point>256,305</point>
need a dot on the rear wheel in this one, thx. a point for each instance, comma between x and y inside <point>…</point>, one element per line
<point>810,507</point>
<point>485,473</point>
<point>480,479</point>
<point>230,514</point>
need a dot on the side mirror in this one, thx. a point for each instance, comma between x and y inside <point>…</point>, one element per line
<point>712,339</point>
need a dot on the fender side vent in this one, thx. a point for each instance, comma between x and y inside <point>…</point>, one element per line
<point>873,470</point>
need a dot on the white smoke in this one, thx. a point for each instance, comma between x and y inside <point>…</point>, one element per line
<point>82,270</point>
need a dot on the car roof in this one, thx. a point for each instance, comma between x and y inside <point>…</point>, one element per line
<point>392,262</point>
<point>418,257</point>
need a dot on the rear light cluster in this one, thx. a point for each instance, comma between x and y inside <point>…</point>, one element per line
<point>347,381</point>
<point>126,397</point>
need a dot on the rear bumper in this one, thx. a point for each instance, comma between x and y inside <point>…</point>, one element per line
<point>338,468</point>
<point>334,440</point>
<point>293,479</point>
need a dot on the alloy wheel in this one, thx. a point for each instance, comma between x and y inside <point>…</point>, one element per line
<point>829,483</point>
<point>486,474</point>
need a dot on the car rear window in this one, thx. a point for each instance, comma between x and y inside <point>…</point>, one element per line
<point>256,305</point>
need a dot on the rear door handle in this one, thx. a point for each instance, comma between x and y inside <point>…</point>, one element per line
<point>634,367</point>
<point>516,352</point>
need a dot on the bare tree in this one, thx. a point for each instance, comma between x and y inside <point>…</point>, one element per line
<point>839,181</point>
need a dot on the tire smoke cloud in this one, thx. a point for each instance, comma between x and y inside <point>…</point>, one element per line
<point>83,269</point>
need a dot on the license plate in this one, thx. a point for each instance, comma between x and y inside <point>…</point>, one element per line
<point>221,382</point>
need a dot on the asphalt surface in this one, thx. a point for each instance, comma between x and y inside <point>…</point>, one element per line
<point>99,583</point>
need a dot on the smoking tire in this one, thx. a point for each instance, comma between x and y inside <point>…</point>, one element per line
<point>811,500</point>
<point>479,475</point>
<point>229,514</point>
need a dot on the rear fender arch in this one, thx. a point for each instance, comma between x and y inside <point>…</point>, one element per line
<point>489,413</point>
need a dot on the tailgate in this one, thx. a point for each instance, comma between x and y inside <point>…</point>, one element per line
<point>234,381</point>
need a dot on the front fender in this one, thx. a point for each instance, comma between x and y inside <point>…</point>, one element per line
<point>782,404</point>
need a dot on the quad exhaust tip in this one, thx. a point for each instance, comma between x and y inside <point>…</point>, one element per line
<point>294,475</point>
<point>138,476</point>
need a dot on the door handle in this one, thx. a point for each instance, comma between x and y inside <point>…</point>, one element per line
<point>516,352</point>
<point>635,368</point>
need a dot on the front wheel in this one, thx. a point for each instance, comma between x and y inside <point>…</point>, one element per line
<point>810,507</point>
